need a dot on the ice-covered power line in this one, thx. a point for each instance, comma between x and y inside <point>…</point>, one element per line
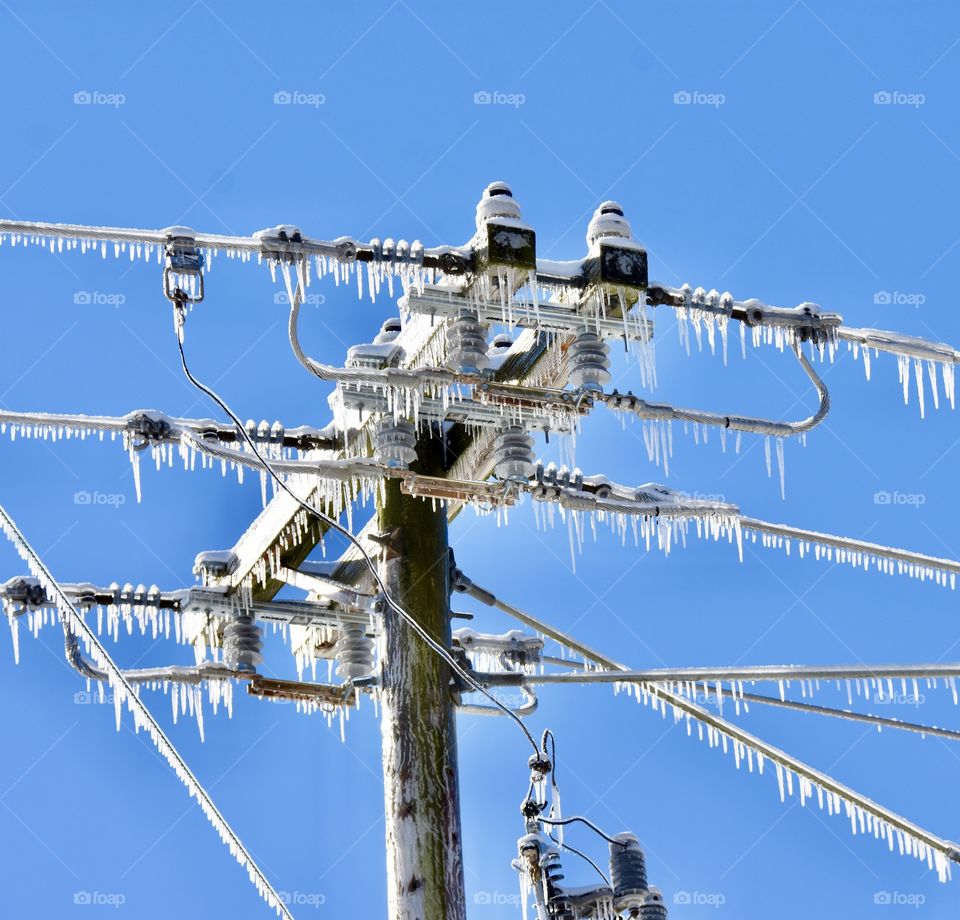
<point>437,413</point>
<point>864,815</point>
<point>124,694</point>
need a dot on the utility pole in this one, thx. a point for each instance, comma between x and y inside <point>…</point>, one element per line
<point>418,722</point>
<point>450,417</point>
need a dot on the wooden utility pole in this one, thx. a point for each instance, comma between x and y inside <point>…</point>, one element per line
<point>420,776</point>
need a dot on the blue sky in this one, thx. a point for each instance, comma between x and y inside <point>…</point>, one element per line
<point>784,180</point>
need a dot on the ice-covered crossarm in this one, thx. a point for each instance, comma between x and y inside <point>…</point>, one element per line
<point>185,614</point>
<point>143,719</point>
<point>150,425</point>
<point>709,312</point>
<point>865,816</point>
<point>161,434</point>
<point>283,245</point>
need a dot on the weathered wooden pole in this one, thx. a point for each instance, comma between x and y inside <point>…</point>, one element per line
<point>420,776</point>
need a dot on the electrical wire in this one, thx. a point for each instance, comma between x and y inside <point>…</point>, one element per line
<point>583,856</point>
<point>409,619</point>
<point>143,718</point>
<point>579,818</point>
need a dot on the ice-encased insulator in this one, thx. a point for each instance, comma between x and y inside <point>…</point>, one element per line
<point>263,432</point>
<point>497,203</point>
<point>652,906</point>
<point>242,643</point>
<point>513,456</point>
<point>628,872</point>
<point>395,444</point>
<point>388,331</point>
<point>466,343</point>
<point>588,360</point>
<point>354,651</point>
<point>608,221</point>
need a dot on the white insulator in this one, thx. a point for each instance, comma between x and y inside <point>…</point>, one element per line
<point>498,350</point>
<point>497,203</point>
<point>513,456</point>
<point>652,907</point>
<point>588,359</point>
<point>388,331</point>
<point>466,343</point>
<point>354,651</point>
<point>242,643</point>
<point>395,444</point>
<point>608,221</point>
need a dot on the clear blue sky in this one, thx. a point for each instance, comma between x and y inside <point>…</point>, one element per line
<point>795,186</point>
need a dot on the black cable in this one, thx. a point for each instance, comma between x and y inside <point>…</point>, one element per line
<point>547,733</point>
<point>582,820</point>
<point>583,856</point>
<point>179,320</point>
